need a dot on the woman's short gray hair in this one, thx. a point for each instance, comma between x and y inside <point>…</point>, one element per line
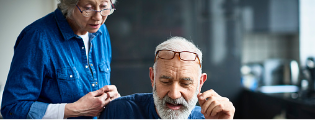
<point>67,6</point>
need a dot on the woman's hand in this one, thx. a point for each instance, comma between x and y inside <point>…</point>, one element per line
<point>111,91</point>
<point>92,103</point>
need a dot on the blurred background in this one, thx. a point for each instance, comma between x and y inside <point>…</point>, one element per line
<point>258,53</point>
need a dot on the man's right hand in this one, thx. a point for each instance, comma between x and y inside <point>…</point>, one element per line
<point>89,105</point>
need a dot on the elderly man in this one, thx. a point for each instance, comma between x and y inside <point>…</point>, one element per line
<point>176,79</point>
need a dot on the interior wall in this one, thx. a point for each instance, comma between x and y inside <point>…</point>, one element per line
<point>16,15</point>
<point>258,47</point>
<point>307,30</point>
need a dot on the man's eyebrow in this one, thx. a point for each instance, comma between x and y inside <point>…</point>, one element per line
<point>187,79</point>
<point>165,77</point>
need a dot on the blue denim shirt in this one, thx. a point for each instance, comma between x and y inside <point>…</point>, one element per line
<point>50,66</point>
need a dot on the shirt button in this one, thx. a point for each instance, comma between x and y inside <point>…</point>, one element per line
<point>91,64</point>
<point>82,47</point>
<point>70,76</point>
<point>96,83</point>
<point>93,85</point>
<point>86,66</point>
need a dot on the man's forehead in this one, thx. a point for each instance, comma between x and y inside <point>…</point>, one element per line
<point>179,49</point>
<point>176,63</point>
<point>183,70</point>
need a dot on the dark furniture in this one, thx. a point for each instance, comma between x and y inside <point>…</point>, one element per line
<point>257,105</point>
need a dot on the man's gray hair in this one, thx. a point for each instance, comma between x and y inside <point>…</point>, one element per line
<point>179,44</point>
<point>67,7</point>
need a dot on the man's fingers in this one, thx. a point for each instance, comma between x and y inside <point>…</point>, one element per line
<point>205,105</point>
<point>220,106</point>
<point>210,108</point>
<point>214,106</point>
<point>216,110</point>
<point>210,104</point>
<point>208,93</point>
<point>202,97</point>
<point>201,102</point>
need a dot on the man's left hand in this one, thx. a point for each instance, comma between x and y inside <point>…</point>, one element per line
<point>213,106</point>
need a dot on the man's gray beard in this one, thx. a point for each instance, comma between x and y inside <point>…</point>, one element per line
<point>166,113</point>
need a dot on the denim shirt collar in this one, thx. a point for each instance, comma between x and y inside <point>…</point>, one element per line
<point>65,28</point>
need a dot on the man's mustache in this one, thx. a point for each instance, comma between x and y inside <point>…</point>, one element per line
<point>177,101</point>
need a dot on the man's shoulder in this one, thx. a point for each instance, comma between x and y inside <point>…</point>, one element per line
<point>133,106</point>
<point>134,101</point>
<point>138,97</point>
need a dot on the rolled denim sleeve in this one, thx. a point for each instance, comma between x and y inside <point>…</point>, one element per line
<point>55,111</point>
<point>37,110</point>
<point>25,78</point>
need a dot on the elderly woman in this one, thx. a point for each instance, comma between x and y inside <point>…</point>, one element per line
<point>61,64</point>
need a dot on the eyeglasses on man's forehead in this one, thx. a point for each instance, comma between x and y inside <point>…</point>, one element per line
<point>182,55</point>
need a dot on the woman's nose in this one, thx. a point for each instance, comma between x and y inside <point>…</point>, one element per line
<point>97,15</point>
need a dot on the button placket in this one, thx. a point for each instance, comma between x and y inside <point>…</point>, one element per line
<point>94,84</point>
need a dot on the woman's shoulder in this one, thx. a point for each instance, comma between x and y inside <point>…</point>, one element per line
<point>41,27</point>
<point>44,23</point>
<point>38,31</point>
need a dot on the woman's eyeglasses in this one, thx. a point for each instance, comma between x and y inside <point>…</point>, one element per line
<point>104,12</point>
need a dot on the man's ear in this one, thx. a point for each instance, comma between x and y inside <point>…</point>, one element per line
<point>203,79</point>
<point>151,76</point>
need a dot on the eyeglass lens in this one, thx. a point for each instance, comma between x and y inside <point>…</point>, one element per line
<point>104,12</point>
<point>183,55</point>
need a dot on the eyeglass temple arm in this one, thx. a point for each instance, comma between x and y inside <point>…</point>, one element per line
<point>198,60</point>
<point>79,8</point>
<point>155,56</point>
<point>112,5</point>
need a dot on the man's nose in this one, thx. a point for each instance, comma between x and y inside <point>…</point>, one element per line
<point>177,55</point>
<point>175,92</point>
